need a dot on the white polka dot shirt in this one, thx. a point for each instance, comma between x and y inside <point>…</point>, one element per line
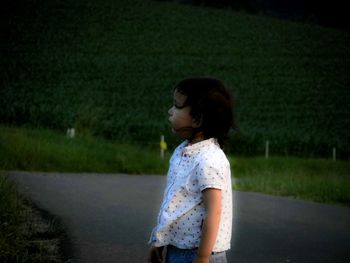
<point>192,169</point>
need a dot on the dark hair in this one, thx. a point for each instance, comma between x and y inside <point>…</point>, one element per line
<point>211,103</point>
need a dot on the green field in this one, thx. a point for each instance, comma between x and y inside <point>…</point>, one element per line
<point>107,68</point>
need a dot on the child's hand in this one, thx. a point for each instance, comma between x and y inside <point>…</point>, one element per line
<point>155,255</point>
<point>201,260</point>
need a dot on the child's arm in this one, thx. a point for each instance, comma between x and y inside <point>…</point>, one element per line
<point>212,203</point>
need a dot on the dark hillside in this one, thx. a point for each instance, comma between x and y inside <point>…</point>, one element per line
<point>326,13</point>
<point>108,68</point>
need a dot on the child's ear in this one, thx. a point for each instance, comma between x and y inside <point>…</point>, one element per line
<point>197,122</point>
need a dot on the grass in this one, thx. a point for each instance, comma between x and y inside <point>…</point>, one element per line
<point>45,150</point>
<point>319,180</point>
<point>25,235</point>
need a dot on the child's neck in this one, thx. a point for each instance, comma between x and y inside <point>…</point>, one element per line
<point>197,137</point>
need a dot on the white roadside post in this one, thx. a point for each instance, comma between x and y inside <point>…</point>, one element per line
<point>70,132</point>
<point>267,150</point>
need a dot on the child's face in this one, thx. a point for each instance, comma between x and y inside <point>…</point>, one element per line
<point>182,123</point>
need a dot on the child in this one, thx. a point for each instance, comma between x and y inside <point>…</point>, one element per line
<point>195,218</point>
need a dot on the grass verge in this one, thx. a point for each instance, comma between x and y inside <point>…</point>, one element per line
<point>46,150</point>
<point>318,180</point>
<point>26,235</point>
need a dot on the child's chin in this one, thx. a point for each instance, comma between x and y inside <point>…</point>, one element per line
<point>181,136</point>
<point>175,132</point>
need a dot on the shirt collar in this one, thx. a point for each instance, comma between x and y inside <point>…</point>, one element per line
<point>190,149</point>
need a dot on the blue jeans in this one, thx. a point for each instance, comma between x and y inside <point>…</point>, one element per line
<point>177,255</point>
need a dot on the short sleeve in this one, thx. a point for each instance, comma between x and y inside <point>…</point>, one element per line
<point>211,175</point>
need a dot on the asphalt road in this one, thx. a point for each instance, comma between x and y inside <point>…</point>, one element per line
<point>109,218</point>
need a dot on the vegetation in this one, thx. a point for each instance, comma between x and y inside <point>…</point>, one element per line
<point>45,150</point>
<point>107,68</point>
<point>319,180</point>
<point>25,235</point>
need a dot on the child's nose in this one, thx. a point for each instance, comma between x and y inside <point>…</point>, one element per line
<point>170,111</point>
